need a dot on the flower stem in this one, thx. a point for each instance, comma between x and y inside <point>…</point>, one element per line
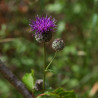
<point>44,54</point>
<point>51,62</point>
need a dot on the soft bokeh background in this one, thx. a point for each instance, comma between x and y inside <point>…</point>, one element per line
<point>76,67</point>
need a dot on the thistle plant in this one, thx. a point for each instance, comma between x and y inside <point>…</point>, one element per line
<point>44,27</point>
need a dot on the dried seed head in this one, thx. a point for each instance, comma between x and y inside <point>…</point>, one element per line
<point>39,85</point>
<point>58,44</point>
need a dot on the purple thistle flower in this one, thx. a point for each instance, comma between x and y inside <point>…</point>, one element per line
<point>42,25</point>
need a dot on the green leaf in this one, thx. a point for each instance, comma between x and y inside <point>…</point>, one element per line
<point>51,94</point>
<point>59,93</point>
<point>28,80</point>
<point>64,94</point>
<point>48,95</point>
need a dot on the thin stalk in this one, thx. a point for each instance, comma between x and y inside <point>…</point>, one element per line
<point>51,61</point>
<point>44,54</point>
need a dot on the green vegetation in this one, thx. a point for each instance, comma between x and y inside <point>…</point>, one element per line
<point>74,68</point>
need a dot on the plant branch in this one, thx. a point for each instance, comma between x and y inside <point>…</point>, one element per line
<point>51,62</point>
<point>14,81</point>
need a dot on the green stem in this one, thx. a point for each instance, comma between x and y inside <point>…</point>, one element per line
<point>44,54</point>
<point>51,62</point>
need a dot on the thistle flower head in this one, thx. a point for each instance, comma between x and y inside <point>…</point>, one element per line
<point>42,25</point>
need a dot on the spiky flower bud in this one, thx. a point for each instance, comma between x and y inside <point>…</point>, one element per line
<point>58,44</point>
<point>39,85</point>
<point>44,37</point>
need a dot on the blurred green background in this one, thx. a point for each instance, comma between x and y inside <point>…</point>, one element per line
<point>76,67</point>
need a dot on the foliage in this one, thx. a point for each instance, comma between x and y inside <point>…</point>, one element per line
<point>59,93</point>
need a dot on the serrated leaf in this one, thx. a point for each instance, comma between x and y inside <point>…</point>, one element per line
<point>28,80</point>
<point>64,94</point>
<point>59,93</point>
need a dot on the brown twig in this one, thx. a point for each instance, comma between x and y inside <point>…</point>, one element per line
<point>40,95</point>
<point>14,81</point>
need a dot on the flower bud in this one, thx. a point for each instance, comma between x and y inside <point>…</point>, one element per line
<point>39,85</point>
<point>58,44</point>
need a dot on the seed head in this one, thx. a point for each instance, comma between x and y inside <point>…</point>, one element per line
<point>58,44</point>
<point>39,85</point>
